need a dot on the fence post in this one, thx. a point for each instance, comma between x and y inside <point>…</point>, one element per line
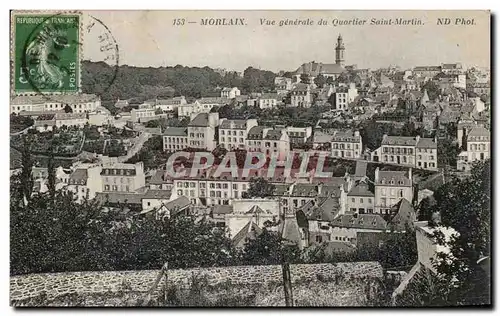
<point>287,284</point>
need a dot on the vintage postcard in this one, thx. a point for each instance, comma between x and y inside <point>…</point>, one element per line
<point>250,158</point>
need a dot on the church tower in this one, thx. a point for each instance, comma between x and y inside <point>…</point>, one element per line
<point>339,52</point>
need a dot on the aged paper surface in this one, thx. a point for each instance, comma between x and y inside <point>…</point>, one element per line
<point>250,158</point>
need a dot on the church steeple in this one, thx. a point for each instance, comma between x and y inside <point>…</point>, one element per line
<point>339,51</point>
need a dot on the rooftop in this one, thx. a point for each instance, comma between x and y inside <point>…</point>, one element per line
<point>175,131</point>
<point>201,120</point>
<point>366,221</point>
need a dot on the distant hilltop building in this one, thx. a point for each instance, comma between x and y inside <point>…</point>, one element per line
<point>314,69</point>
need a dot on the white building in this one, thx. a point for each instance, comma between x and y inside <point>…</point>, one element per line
<point>347,144</point>
<point>79,103</point>
<point>408,151</point>
<point>122,177</point>
<point>390,188</point>
<point>145,113</point>
<point>201,131</point>
<point>46,122</point>
<point>170,105</point>
<point>360,200</point>
<point>283,85</point>
<point>268,140</point>
<point>301,96</point>
<point>85,181</point>
<point>175,139</point>
<point>268,100</point>
<point>230,93</point>
<point>299,135</point>
<point>477,148</point>
<point>233,133</point>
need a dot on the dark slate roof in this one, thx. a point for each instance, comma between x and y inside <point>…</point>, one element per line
<point>79,176</point>
<point>314,69</point>
<point>201,120</point>
<point>157,177</point>
<point>175,131</point>
<point>233,124</point>
<point>157,194</point>
<point>426,143</point>
<point>399,140</point>
<point>213,100</point>
<point>301,87</point>
<point>346,136</point>
<point>326,209</point>
<point>119,197</point>
<point>402,213</point>
<point>222,209</point>
<point>398,177</point>
<point>273,134</point>
<point>249,231</point>
<point>180,203</point>
<point>361,189</point>
<point>361,167</point>
<point>366,221</point>
<point>255,132</point>
<point>290,230</point>
<point>478,131</point>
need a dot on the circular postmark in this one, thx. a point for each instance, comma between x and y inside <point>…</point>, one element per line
<point>52,56</point>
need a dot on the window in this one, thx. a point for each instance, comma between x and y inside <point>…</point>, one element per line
<point>383,192</point>
<point>202,185</point>
<point>179,192</point>
<point>212,185</point>
<point>370,201</point>
<point>106,187</point>
<point>224,186</point>
<point>319,238</point>
<point>400,193</point>
<point>222,133</point>
<point>218,194</point>
<point>218,185</point>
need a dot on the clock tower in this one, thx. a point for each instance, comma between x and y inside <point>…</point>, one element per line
<point>339,52</point>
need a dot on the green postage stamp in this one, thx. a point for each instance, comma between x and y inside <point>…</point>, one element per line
<point>46,51</point>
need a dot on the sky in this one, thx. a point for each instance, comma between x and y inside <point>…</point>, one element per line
<point>149,38</point>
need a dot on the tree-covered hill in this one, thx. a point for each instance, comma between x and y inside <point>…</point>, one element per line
<point>142,83</point>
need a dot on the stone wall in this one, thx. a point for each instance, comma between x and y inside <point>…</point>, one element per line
<point>55,284</point>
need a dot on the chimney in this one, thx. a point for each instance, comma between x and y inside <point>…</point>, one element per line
<point>320,188</point>
<point>377,174</point>
<point>384,137</point>
<point>409,174</point>
<point>417,138</point>
<point>356,133</point>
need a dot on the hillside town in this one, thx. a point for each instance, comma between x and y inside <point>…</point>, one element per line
<point>388,139</point>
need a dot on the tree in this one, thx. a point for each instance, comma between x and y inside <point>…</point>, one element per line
<point>268,248</point>
<point>320,81</point>
<point>51,179</point>
<point>68,109</point>
<point>447,153</point>
<point>26,177</point>
<point>304,78</point>
<point>433,90</point>
<point>259,187</point>
<point>465,206</point>
<point>425,209</point>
